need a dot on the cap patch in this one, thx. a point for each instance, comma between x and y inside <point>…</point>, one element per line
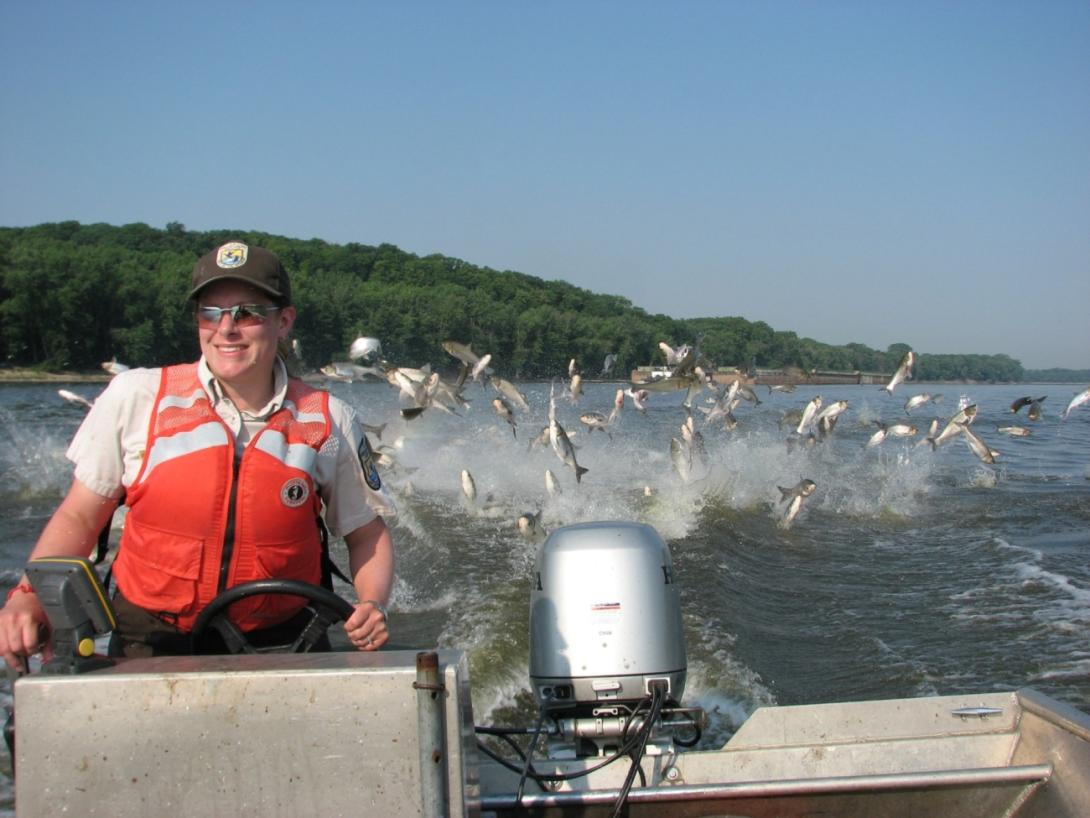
<point>367,463</point>
<point>232,255</point>
<point>294,492</point>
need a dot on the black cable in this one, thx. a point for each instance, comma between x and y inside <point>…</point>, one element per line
<point>510,742</point>
<point>530,753</point>
<point>541,778</point>
<point>644,733</point>
<point>534,774</point>
<point>507,731</point>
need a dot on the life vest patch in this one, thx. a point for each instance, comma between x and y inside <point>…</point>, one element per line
<point>294,492</point>
<point>367,463</point>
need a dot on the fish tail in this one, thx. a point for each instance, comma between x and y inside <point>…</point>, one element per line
<point>579,472</point>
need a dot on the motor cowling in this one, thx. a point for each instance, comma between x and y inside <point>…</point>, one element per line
<point>605,618</point>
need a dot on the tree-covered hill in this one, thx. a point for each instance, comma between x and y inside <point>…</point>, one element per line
<point>73,295</point>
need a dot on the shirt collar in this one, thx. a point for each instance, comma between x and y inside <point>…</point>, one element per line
<point>216,393</point>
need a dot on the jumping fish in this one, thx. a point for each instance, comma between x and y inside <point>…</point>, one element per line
<point>72,397</point>
<point>671,354</point>
<point>576,387</point>
<point>560,443</point>
<point>564,450</point>
<point>552,485</point>
<point>504,410</point>
<point>730,422</point>
<point>480,366</point>
<point>963,417</point>
<point>901,430</point>
<point>530,527</point>
<point>878,437</point>
<point>1025,401</point>
<point>978,446</point>
<point>808,415</point>
<point>463,352</point>
<point>1079,399</point>
<point>511,392</point>
<point>364,348</point>
<point>416,391</point>
<point>338,372</point>
<point>903,373</point>
<point>541,439</point>
<point>794,497</point>
<point>832,411</point>
<point>916,401</point>
<point>113,367</point>
<point>445,396</point>
<point>469,487</point>
<point>595,421</point>
<point>747,394</point>
<point>681,459</point>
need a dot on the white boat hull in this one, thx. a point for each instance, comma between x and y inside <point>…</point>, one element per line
<point>346,734</point>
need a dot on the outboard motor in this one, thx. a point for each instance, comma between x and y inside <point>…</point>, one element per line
<point>605,629</point>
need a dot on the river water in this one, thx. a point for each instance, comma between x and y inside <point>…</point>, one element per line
<point>907,572</point>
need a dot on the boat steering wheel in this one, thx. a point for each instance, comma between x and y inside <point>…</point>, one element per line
<point>325,606</point>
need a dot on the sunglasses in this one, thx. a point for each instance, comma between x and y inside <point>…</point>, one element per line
<point>242,315</point>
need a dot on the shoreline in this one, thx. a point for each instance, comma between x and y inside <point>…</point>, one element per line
<point>24,375</point>
<point>37,376</point>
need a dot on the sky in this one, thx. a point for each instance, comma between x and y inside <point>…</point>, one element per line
<point>871,172</point>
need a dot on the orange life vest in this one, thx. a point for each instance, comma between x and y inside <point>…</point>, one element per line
<point>200,522</point>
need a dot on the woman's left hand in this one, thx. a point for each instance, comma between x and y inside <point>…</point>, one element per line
<point>366,627</point>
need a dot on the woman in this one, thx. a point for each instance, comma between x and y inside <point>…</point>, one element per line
<point>225,465</point>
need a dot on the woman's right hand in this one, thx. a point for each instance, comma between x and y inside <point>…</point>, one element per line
<point>24,629</point>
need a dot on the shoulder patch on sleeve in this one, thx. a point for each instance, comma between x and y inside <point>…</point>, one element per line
<point>367,463</point>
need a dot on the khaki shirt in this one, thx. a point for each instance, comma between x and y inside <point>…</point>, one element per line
<point>108,448</point>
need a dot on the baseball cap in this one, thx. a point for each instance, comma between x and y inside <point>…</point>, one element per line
<point>242,262</point>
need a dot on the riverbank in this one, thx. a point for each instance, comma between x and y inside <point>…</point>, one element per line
<point>25,375</point>
<point>17,375</point>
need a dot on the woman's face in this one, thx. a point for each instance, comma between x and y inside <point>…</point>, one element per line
<point>241,354</point>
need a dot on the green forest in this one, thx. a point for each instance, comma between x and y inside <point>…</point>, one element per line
<point>75,295</point>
